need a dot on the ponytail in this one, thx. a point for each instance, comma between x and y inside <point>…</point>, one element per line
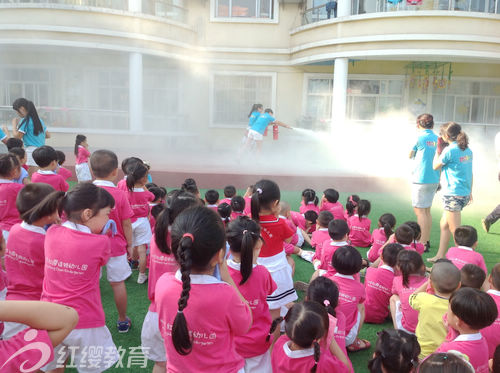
<point>364,207</point>
<point>454,133</point>
<point>47,206</point>
<point>255,107</point>
<point>161,231</point>
<point>317,353</point>
<point>463,140</point>
<point>387,230</point>
<point>255,205</point>
<point>409,262</point>
<point>79,139</point>
<point>134,174</point>
<point>351,204</point>
<point>31,113</point>
<point>266,192</point>
<point>247,245</point>
<point>387,222</point>
<point>274,325</point>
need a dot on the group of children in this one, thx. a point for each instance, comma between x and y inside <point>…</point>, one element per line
<point>220,280</point>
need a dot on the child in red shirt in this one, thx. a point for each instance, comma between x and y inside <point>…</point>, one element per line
<point>9,171</point>
<point>46,158</point>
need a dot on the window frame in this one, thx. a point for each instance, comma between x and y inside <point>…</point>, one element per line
<point>214,18</point>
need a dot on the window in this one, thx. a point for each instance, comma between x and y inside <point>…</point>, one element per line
<point>260,9</point>
<point>234,95</point>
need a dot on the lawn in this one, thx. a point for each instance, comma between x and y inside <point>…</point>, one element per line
<point>489,246</point>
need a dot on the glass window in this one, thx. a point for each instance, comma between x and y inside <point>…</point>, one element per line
<point>244,8</point>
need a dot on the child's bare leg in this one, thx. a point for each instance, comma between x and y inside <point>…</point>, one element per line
<point>306,237</point>
<point>392,304</point>
<point>291,262</point>
<point>120,295</point>
<point>314,275</point>
<point>141,249</point>
<point>160,367</point>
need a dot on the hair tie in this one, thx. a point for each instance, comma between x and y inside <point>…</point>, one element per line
<point>258,190</point>
<point>188,235</point>
<point>180,311</point>
<point>245,232</point>
<point>326,302</point>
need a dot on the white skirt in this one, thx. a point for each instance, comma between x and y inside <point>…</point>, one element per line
<point>152,343</point>
<point>83,172</point>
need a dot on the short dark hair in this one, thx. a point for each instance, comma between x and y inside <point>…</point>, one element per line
<point>390,254</point>
<point>495,276</point>
<point>331,195</point>
<point>425,121</point>
<point>229,191</point>
<point>337,229</point>
<point>311,216</point>
<point>472,276</point>
<point>103,162</point>
<point>14,142</point>
<point>212,196</point>
<point>404,234</point>
<point>238,204</point>
<point>20,152</point>
<point>465,235</point>
<point>44,156</point>
<point>61,157</point>
<point>474,307</point>
<point>324,218</point>
<point>347,260</point>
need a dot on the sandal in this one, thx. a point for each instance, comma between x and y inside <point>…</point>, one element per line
<point>357,346</point>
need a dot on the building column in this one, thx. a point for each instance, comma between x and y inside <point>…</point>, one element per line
<point>135,6</point>
<point>343,8</point>
<point>339,98</point>
<point>135,92</point>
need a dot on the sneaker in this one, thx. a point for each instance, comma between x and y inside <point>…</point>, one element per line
<point>486,225</point>
<point>307,255</point>
<point>301,285</point>
<point>124,326</point>
<point>134,264</point>
<point>141,279</point>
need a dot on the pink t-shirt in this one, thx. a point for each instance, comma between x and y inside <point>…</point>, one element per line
<point>225,200</point>
<point>73,260</point>
<point>284,360</point>
<point>49,177</point>
<point>328,249</point>
<point>159,263</point>
<point>336,209</point>
<point>360,231</point>
<point>492,332</point>
<point>378,285</point>
<point>64,172</point>
<point>255,290</point>
<point>378,240</point>
<point>122,211</point>
<point>30,349</point>
<point>24,262</point>
<point>236,215</point>
<point>310,206</point>
<point>409,315</point>
<point>351,293</point>
<point>212,207</point>
<point>248,206</point>
<point>463,255</point>
<point>122,184</point>
<point>472,345</point>
<point>224,317</point>
<point>83,155</point>
<point>274,231</point>
<point>419,247</point>
<point>298,219</point>
<point>9,215</point>
<point>336,330</point>
<point>139,202</point>
<point>318,237</point>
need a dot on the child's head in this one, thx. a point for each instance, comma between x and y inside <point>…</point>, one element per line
<point>396,351</point>
<point>311,218</point>
<point>364,207</point>
<point>494,278</point>
<point>89,205</point>
<point>351,204</point>
<point>425,121</point>
<point>266,197</point>
<point>269,111</point>
<point>211,196</point>
<point>238,204</point>
<point>284,209</point>
<point>80,140</point>
<point>305,324</point>
<point>128,162</point>
<point>103,163</point>
<point>309,197</point>
<point>61,157</point>
<point>472,276</point>
<point>9,166</point>
<point>243,236</point>
<point>347,260</point>
<point>331,195</point>
<point>229,191</point>
<point>137,175</point>
<point>471,309</point>
<point>495,362</point>
<point>454,133</point>
<point>224,210</point>
<point>256,107</point>
<point>325,292</point>
<point>465,235</point>
<point>451,361</point>
<point>45,157</point>
<point>20,153</point>
<point>404,234</point>
<point>198,243</point>
<point>445,277</point>
<point>38,200</point>
<point>409,263</point>
<point>189,185</point>
<point>14,142</point>
<point>324,219</point>
<point>158,192</point>
<point>338,229</point>
<point>390,254</point>
<point>417,232</point>
<point>388,222</point>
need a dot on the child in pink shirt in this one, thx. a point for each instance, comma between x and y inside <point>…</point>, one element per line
<point>248,200</point>
<point>229,193</point>
<point>64,172</point>
<point>492,332</point>
<point>359,225</point>
<point>299,351</point>
<point>206,313</point>
<point>330,202</point>
<point>46,158</point>
<point>212,199</point>
<point>347,262</point>
<point>417,234</point>
<point>224,210</point>
<point>378,285</point>
<point>74,255</point>
<point>469,311</point>
<point>255,284</point>
<point>338,232</point>
<point>380,236</point>
<point>127,163</point>
<point>412,275</point>
<point>321,234</point>
<point>351,206</point>
<point>9,170</point>
<point>464,252</point>
<point>82,156</point>
<point>238,206</point>
<point>309,201</point>
<point>306,221</point>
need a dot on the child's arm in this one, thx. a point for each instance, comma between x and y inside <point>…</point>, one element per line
<point>6,131</point>
<point>306,236</point>
<point>339,354</point>
<point>127,231</point>
<point>226,277</point>
<point>281,124</point>
<point>57,319</point>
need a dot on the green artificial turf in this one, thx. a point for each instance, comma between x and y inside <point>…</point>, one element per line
<point>489,246</point>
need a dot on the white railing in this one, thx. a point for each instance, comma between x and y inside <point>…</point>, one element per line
<point>319,13</point>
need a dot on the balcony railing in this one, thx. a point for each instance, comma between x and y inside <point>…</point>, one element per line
<point>319,13</point>
<point>170,9</point>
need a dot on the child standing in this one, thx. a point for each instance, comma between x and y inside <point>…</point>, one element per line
<point>64,172</point>
<point>46,158</point>
<point>82,156</point>
<point>105,168</point>
<point>72,273</point>
<point>216,311</point>
<point>255,284</point>
<point>380,236</point>
<point>330,202</point>
<point>359,225</point>
<point>229,193</point>
<point>238,205</point>
<point>430,331</point>
<point>9,171</point>
<point>492,332</point>
<point>212,199</point>
<point>224,211</point>
<point>309,201</point>
<point>464,251</point>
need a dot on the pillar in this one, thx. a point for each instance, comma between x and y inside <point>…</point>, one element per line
<point>343,8</point>
<point>135,92</point>
<point>135,6</point>
<point>339,99</point>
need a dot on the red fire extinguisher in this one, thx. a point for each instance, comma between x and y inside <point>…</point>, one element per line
<point>275,132</point>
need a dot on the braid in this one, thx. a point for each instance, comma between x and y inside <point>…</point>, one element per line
<point>316,356</point>
<point>185,260</point>
<point>274,325</point>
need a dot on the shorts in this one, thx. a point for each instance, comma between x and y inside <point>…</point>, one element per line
<point>259,364</point>
<point>254,135</point>
<point>141,231</point>
<point>422,195</point>
<point>353,333</point>
<point>399,318</point>
<point>83,172</point>
<point>5,235</point>
<point>152,343</point>
<point>118,269</point>
<point>11,329</point>
<point>29,156</point>
<point>90,350</point>
<point>455,203</point>
<point>281,273</point>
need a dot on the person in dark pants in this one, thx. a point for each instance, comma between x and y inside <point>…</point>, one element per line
<point>331,5</point>
<point>495,214</point>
